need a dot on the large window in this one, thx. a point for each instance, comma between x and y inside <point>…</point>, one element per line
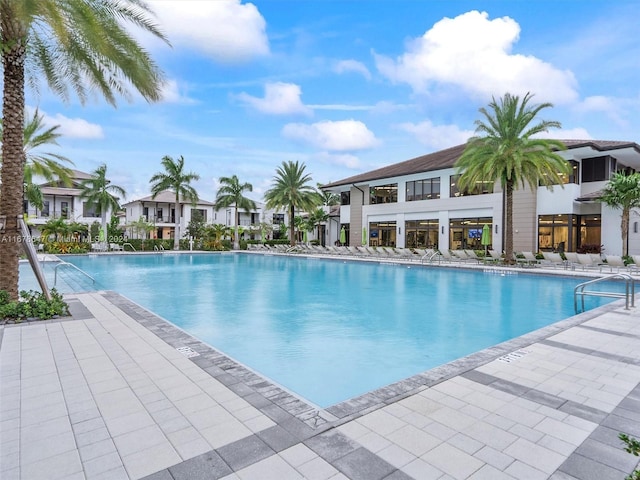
<point>199,214</point>
<point>278,218</point>
<point>598,169</point>
<point>345,198</point>
<point>64,209</point>
<point>421,233</point>
<point>423,189</point>
<point>45,208</point>
<point>466,233</point>
<point>382,234</point>
<point>480,188</point>
<point>568,233</point>
<point>90,210</point>
<point>384,193</point>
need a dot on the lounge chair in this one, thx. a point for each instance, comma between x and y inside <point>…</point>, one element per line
<point>473,256</point>
<point>494,257</point>
<point>528,259</point>
<point>616,261</point>
<point>552,259</point>
<point>572,259</point>
<point>114,247</point>
<point>460,255</point>
<point>589,262</point>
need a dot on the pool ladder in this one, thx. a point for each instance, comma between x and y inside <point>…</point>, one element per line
<point>63,263</point>
<point>628,295</point>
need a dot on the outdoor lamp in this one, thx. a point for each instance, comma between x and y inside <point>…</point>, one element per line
<point>496,229</point>
<point>3,222</point>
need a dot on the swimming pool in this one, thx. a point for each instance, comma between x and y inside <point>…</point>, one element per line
<point>331,330</point>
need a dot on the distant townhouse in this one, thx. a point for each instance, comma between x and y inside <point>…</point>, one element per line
<point>161,213</point>
<point>417,203</point>
<point>62,201</point>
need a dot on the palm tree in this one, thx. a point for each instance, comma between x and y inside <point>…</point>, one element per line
<point>174,178</point>
<point>291,190</point>
<point>99,193</point>
<point>57,227</point>
<point>231,193</point>
<point>328,199</point>
<point>503,150</point>
<point>82,44</point>
<point>46,164</point>
<point>317,217</point>
<point>623,192</point>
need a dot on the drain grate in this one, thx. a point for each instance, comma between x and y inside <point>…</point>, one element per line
<point>188,352</point>
<point>513,356</point>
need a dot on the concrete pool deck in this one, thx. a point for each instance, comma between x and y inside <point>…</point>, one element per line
<point>116,392</point>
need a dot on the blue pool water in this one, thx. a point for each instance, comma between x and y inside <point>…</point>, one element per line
<point>331,330</point>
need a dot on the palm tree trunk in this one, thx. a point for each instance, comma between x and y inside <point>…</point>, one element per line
<point>11,193</point>
<point>624,228</point>
<point>292,227</point>
<point>236,238</point>
<point>103,218</point>
<point>176,233</point>
<point>508,250</point>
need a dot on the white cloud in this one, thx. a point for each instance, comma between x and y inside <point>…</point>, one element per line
<point>171,93</point>
<point>74,127</point>
<point>437,136</point>
<point>342,107</point>
<point>473,53</point>
<point>342,159</point>
<point>279,99</point>
<point>225,30</point>
<point>343,135</point>
<point>345,66</point>
<point>567,134</point>
<point>601,104</point>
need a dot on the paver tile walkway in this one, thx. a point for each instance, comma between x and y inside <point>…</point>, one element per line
<point>116,392</point>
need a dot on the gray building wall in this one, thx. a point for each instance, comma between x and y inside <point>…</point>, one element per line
<point>358,199</point>
<point>525,220</point>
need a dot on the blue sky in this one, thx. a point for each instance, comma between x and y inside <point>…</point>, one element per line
<point>349,86</point>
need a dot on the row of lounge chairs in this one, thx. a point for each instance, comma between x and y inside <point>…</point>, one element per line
<point>571,260</point>
<point>407,254</point>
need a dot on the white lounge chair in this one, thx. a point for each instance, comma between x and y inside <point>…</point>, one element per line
<point>589,262</point>
<point>528,259</point>
<point>494,257</point>
<point>552,259</point>
<point>616,262</point>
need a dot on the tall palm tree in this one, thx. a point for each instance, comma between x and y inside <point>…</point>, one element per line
<point>99,193</point>
<point>623,192</point>
<point>231,193</point>
<point>504,151</point>
<point>41,164</point>
<point>291,190</point>
<point>81,44</point>
<point>175,179</point>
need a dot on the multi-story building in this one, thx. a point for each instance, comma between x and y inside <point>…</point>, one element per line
<point>416,203</point>
<point>63,201</point>
<point>161,213</point>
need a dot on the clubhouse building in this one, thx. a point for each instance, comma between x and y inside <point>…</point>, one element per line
<point>417,203</point>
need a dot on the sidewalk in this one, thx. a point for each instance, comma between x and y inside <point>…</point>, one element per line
<point>116,392</point>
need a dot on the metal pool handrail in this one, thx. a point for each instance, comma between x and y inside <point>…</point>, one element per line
<point>630,287</point>
<point>127,243</point>
<point>62,262</point>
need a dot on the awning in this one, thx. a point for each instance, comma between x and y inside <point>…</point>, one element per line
<point>590,197</point>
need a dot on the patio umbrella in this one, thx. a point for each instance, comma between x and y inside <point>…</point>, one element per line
<point>343,236</point>
<point>364,236</point>
<point>486,237</point>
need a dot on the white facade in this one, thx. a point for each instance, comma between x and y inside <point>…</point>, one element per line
<point>567,218</point>
<point>62,201</point>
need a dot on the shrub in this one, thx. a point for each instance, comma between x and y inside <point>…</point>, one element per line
<point>32,305</point>
<point>632,447</point>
